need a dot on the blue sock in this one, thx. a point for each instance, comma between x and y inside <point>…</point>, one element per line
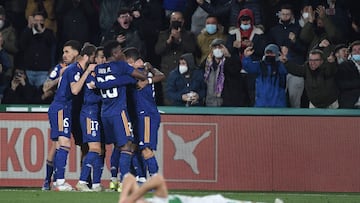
<point>124,163</point>
<point>98,169</point>
<point>60,162</point>
<point>49,170</point>
<point>137,162</point>
<point>88,163</point>
<point>54,164</point>
<point>114,162</point>
<point>152,165</point>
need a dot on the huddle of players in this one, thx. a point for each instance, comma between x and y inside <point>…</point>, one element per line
<point>123,84</point>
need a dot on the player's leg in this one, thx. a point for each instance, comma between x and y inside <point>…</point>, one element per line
<point>60,164</point>
<point>61,156</point>
<point>125,160</point>
<point>124,141</point>
<point>109,138</point>
<point>91,137</point>
<point>114,168</point>
<point>49,166</point>
<point>129,187</point>
<point>60,124</point>
<point>139,165</point>
<point>150,161</point>
<point>149,127</point>
<point>156,182</point>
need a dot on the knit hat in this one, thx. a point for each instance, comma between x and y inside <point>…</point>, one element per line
<point>272,48</point>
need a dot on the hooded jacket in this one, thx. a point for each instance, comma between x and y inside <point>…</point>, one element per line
<point>178,84</point>
<point>254,34</point>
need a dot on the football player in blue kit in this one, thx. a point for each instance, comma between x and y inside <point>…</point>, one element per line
<point>90,127</point>
<point>71,50</point>
<point>146,117</point>
<point>114,115</point>
<point>60,118</point>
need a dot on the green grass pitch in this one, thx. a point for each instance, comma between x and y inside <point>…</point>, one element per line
<point>38,196</point>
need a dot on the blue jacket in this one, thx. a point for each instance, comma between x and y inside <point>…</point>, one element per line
<point>270,82</point>
<point>177,85</point>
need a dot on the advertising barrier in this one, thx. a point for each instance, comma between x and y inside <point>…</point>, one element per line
<point>212,152</point>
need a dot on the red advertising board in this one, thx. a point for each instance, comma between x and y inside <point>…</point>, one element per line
<point>212,152</point>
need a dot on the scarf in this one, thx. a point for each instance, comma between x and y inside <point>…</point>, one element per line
<point>219,86</point>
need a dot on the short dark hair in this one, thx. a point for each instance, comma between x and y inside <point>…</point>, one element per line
<point>132,52</point>
<point>124,10</point>
<point>109,46</point>
<point>74,44</point>
<point>40,13</point>
<point>287,7</point>
<point>88,49</point>
<point>317,51</point>
<point>212,16</point>
<point>356,42</point>
<point>98,49</point>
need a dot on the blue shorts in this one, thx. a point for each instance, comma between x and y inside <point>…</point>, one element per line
<point>90,127</point>
<point>60,123</point>
<point>147,131</point>
<point>117,129</point>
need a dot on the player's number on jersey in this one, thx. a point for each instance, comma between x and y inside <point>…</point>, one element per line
<point>66,122</point>
<point>94,125</point>
<point>108,93</point>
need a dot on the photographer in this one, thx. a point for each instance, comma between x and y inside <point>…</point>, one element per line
<point>36,44</point>
<point>19,91</point>
<point>172,43</point>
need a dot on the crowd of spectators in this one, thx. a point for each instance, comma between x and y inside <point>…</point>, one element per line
<point>33,32</point>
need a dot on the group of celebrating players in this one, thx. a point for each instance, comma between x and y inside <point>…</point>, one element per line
<point>117,106</point>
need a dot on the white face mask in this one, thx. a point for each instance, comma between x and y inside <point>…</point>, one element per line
<point>2,23</point>
<point>218,53</point>
<point>245,27</point>
<point>305,15</point>
<point>183,69</point>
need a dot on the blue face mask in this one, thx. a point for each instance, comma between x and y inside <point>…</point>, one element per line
<point>210,28</point>
<point>356,57</point>
<point>245,27</point>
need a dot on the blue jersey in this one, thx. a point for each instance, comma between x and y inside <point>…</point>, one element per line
<point>144,99</point>
<point>92,97</point>
<point>55,72</point>
<point>109,79</point>
<point>60,110</point>
<point>71,74</point>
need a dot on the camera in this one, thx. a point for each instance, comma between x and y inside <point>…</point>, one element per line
<point>176,24</point>
<point>38,27</point>
<point>19,74</point>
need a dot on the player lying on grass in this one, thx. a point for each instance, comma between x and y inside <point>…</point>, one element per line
<point>133,193</point>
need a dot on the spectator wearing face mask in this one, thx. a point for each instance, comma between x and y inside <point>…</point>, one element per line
<point>222,76</point>
<point>246,34</point>
<point>211,31</point>
<point>271,77</point>
<point>286,33</point>
<point>319,32</point>
<point>348,75</point>
<point>171,44</point>
<point>185,85</point>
